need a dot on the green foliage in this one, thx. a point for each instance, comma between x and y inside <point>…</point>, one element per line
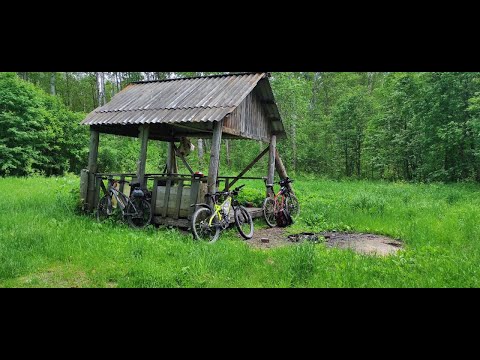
<point>253,195</point>
<point>38,134</point>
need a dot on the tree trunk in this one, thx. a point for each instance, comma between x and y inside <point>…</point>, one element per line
<point>52,83</point>
<point>201,152</point>
<point>227,151</point>
<point>67,85</point>
<point>101,88</point>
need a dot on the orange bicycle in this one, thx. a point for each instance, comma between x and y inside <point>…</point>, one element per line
<point>277,203</point>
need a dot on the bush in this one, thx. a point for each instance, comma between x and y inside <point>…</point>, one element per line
<point>38,134</point>
<point>251,195</point>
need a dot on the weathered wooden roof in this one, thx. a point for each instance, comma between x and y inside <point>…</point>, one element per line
<point>185,100</point>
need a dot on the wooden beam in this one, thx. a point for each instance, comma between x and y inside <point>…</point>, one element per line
<point>171,159</point>
<point>249,166</point>
<point>186,164</point>
<point>142,159</point>
<point>281,169</point>
<point>271,160</point>
<point>214,157</point>
<point>184,160</point>
<point>92,167</point>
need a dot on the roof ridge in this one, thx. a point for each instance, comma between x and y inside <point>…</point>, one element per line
<point>168,108</point>
<point>199,77</point>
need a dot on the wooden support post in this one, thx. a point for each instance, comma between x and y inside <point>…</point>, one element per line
<point>122,184</point>
<point>249,166</point>
<point>154,195</point>
<point>214,157</point>
<point>142,159</point>
<point>96,196</point>
<point>92,167</point>
<point>84,188</point>
<point>281,169</point>
<point>171,159</point>
<point>271,161</point>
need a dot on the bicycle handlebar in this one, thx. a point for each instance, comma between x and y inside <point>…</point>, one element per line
<point>232,192</point>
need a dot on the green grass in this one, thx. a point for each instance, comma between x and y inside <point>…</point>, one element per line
<point>44,243</point>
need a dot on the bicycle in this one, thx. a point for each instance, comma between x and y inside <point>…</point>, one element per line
<point>275,203</point>
<point>136,208</point>
<point>208,221</point>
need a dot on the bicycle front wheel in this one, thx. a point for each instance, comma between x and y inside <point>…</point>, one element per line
<point>139,213</point>
<point>104,208</point>
<point>269,212</point>
<point>202,229</point>
<point>292,205</point>
<point>244,222</point>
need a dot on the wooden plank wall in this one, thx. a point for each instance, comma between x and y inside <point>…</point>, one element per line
<point>249,119</point>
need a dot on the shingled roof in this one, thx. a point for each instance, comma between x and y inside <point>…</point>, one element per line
<point>186,100</point>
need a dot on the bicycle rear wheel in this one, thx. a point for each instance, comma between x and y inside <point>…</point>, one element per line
<point>244,222</point>
<point>139,213</point>
<point>104,208</point>
<point>201,228</point>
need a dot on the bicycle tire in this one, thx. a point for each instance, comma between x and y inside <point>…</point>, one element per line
<point>242,216</point>
<point>268,212</point>
<point>201,230</point>
<point>143,215</point>
<point>104,208</point>
<point>292,205</point>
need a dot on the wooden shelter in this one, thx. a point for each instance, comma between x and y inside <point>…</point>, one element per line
<point>232,106</point>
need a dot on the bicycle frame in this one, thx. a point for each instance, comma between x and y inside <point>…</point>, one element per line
<point>218,209</point>
<point>276,201</point>
<point>122,199</point>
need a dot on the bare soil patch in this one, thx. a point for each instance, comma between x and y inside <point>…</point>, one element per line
<point>362,243</point>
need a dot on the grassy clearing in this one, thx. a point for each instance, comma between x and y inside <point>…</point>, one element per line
<point>43,243</point>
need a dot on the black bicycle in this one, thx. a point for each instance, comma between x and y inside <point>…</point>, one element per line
<point>136,209</point>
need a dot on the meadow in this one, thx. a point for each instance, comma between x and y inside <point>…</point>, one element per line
<point>45,242</point>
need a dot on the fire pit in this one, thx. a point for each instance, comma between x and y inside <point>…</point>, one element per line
<point>303,237</point>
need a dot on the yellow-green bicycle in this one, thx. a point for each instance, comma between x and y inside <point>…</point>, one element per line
<point>208,221</point>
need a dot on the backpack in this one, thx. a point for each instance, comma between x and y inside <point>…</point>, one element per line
<point>283,218</point>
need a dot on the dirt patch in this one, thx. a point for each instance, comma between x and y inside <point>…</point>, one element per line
<point>362,243</point>
<point>276,237</point>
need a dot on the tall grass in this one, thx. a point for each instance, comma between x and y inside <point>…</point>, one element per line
<point>45,243</point>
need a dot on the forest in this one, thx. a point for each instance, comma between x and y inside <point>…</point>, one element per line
<point>415,127</point>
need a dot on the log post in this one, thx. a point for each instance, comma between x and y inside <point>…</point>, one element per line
<point>214,157</point>
<point>92,167</point>
<point>171,159</point>
<point>144,132</point>
<point>271,162</point>
<point>281,169</point>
